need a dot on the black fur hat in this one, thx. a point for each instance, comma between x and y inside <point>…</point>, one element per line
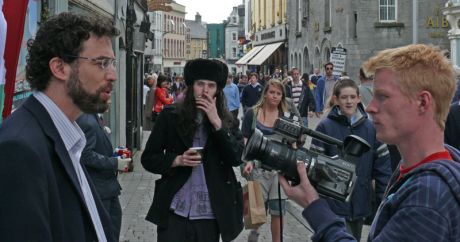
<point>212,70</point>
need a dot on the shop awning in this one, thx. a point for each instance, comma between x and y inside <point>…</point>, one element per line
<point>246,58</point>
<point>263,55</point>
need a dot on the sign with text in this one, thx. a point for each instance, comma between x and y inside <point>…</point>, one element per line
<point>338,58</point>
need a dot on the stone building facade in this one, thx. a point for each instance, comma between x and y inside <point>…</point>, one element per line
<point>361,27</point>
<point>174,39</point>
<point>232,46</point>
<point>196,39</point>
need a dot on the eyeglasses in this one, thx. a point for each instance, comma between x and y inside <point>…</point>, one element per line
<point>103,62</point>
<point>328,68</point>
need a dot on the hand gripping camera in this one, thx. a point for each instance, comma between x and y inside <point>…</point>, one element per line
<point>331,176</point>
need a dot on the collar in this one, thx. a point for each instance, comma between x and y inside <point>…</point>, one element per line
<point>442,155</point>
<point>70,132</point>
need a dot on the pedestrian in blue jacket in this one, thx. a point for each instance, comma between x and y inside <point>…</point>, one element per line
<point>348,117</point>
<point>324,87</point>
<point>413,87</point>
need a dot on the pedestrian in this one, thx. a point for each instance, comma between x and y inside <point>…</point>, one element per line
<point>413,87</point>
<point>347,117</point>
<point>102,167</point>
<point>197,197</point>
<point>365,88</point>
<point>277,74</point>
<point>242,82</point>
<point>271,106</point>
<point>324,87</point>
<point>232,96</point>
<point>301,95</point>
<point>452,132</point>
<point>177,86</point>
<point>149,101</point>
<point>315,76</point>
<point>46,192</point>
<point>162,96</point>
<point>251,92</point>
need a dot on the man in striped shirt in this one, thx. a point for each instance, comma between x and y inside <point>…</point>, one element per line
<point>301,96</point>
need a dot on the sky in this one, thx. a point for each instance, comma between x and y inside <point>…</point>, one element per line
<point>211,11</point>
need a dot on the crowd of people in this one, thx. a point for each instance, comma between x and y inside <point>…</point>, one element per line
<point>59,178</point>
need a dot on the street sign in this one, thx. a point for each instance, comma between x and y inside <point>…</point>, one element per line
<point>338,58</point>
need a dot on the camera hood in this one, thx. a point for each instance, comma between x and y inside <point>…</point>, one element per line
<point>355,146</point>
<point>254,146</point>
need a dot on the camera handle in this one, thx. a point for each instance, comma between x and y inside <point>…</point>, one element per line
<point>322,137</point>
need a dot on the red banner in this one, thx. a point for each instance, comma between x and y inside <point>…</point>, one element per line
<point>15,15</point>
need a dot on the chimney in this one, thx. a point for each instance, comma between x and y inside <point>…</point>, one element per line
<point>198,17</point>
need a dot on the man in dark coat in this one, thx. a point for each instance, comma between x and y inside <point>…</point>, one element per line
<point>200,191</point>
<point>45,193</point>
<point>452,132</point>
<point>102,167</point>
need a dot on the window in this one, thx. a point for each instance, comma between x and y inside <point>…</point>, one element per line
<point>298,16</point>
<point>327,13</point>
<point>387,10</point>
<point>306,9</point>
<point>233,52</point>
<point>233,36</point>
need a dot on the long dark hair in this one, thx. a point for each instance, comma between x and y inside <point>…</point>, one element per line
<point>187,112</point>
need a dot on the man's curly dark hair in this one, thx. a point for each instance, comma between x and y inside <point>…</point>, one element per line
<point>62,36</point>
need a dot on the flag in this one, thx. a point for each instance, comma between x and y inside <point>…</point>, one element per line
<point>14,12</point>
<point>2,51</point>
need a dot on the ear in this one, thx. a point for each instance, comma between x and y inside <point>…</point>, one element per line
<point>424,101</point>
<point>334,99</point>
<point>59,69</point>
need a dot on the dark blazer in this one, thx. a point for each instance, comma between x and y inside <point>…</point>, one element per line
<point>40,196</point>
<point>222,151</point>
<point>97,157</point>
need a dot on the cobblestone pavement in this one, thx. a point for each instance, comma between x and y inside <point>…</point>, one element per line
<point>136,197</point>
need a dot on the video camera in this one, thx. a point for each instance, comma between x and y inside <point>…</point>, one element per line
<point>331,176</point>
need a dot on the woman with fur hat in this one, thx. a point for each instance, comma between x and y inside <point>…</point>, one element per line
<point>198,197</point>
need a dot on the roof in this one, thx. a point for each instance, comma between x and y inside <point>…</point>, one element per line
<point>197,29</point>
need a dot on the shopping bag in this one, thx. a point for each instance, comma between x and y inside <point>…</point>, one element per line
<point>254,208</point>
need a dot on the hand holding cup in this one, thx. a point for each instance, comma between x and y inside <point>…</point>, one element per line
<point>198,151</point>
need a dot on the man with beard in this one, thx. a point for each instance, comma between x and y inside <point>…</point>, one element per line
<point>46,194</point>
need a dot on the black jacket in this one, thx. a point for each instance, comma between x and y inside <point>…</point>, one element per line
<point>97,157</point>
<point>222,151</point>
<point>452,131</point>
<point>306,100</point>
<point>40,196</point>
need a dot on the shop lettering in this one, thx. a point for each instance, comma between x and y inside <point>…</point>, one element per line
<point>437,22</point>
<point>268,35</point>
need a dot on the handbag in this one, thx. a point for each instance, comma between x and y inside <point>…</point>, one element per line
<point>254,213</point>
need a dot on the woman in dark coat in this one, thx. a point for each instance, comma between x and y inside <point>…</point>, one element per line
<point>200,191</point>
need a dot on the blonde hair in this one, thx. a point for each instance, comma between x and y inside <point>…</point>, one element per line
<point>419,67</point>
<point>283,106</point>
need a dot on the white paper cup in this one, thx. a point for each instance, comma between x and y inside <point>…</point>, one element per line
<point>199,150</point>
